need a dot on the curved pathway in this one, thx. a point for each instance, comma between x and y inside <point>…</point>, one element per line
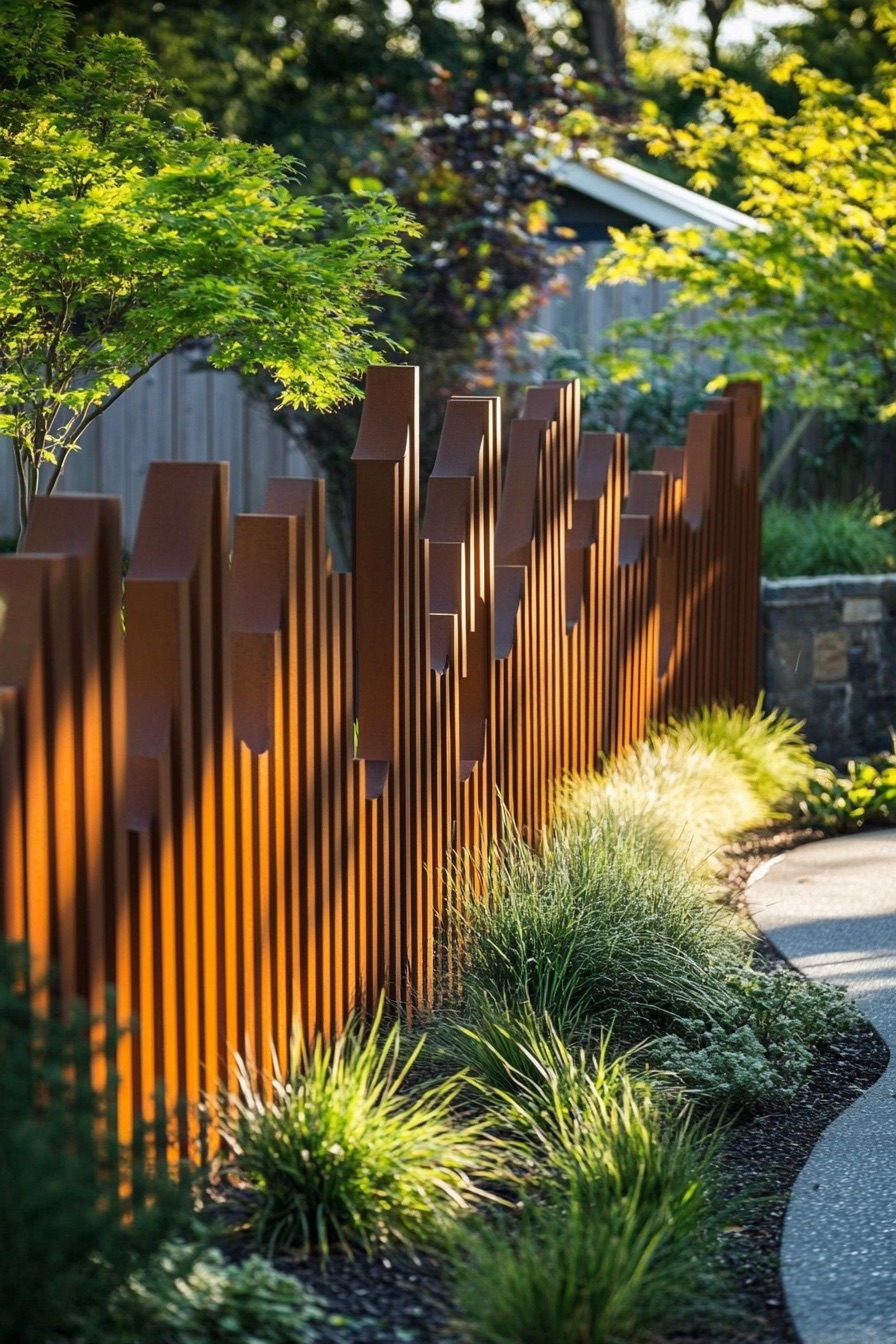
<point>830,908</point>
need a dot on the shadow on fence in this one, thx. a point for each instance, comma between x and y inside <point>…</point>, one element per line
<point>236,814</point>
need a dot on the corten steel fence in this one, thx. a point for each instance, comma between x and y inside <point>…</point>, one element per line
<point>236,814</point>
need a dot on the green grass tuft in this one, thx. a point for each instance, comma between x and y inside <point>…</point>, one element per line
<point>622,1241</point>
<point>601,923</point>
<point>345,1154</point>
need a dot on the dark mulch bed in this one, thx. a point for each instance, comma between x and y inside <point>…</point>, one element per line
<point>400,1300</point>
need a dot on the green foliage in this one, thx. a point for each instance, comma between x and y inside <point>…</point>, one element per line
<point>582,1274</point>
<point>638,382</point>
<point>864,795</point>
<point>693,801</point>
<point>188,1295</point>
<point>757,1053</point>
<point>601,923</point>
<point>68,1237</point>
<point>513,1056</point>
<point>622,1241</point>
<point>126,230</point>
<point>344,1155</point>
<point>840,38</point>
<point>827,538</point>
<point>817,264</point>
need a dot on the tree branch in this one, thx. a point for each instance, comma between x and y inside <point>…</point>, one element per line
<point>74,432</point>
<point>21,490</point>
<point>788,447</point>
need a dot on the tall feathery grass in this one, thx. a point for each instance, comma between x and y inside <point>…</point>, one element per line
<point>699,781</point>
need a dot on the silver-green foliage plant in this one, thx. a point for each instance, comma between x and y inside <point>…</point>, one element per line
<point>126,229</point>
<point>347,1154</point>
<point>756,1055</point>
<point>188,1295</point>
<point>601,922</point>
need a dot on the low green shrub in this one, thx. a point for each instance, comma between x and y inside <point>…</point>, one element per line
<point>827,538</point>
<point>756,1055</point>
<point>864,795</point>
<point>188,1295</point>
<point>601,922</point>
<point>345,1154</point>
<point>68,1236</point>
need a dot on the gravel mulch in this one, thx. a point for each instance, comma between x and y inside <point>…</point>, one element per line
<point>401,1300</point>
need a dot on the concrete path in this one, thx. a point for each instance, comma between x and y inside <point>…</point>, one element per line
<point>830,908</point>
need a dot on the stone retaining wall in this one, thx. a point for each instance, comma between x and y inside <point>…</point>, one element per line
<point>829,651</point>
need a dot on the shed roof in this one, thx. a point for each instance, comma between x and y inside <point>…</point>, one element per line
<point>647,198</point>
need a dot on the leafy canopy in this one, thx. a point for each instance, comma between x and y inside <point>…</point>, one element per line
<point>125,230</point>
<point>806,300</point>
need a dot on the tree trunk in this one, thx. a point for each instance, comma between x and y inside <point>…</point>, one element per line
<point>715,11</point>
<point>605,32</point>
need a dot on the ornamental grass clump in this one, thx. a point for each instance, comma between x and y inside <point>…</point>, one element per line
<point>827,538</point>
<point>767,749</point>
<point>347,1154</point>
<point>699,781</point>
<point>621,1241</point>
<point>601,922</point>
<point>580,1274</point>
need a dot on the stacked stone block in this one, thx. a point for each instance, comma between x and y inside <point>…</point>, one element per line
<point>830,658</point>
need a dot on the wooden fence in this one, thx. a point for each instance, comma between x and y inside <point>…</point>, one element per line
<point>181,410</point>
<point>236,813</point>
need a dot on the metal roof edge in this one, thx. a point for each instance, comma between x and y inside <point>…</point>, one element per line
<point>663,204</point>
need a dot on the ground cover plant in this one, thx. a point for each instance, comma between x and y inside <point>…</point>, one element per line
<point>827,538</point>
<point>864,794</point>
<point>192,1295</point>
<point>757,1054</point>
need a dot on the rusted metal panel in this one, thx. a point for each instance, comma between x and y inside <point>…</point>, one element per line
<point>240,814</point>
